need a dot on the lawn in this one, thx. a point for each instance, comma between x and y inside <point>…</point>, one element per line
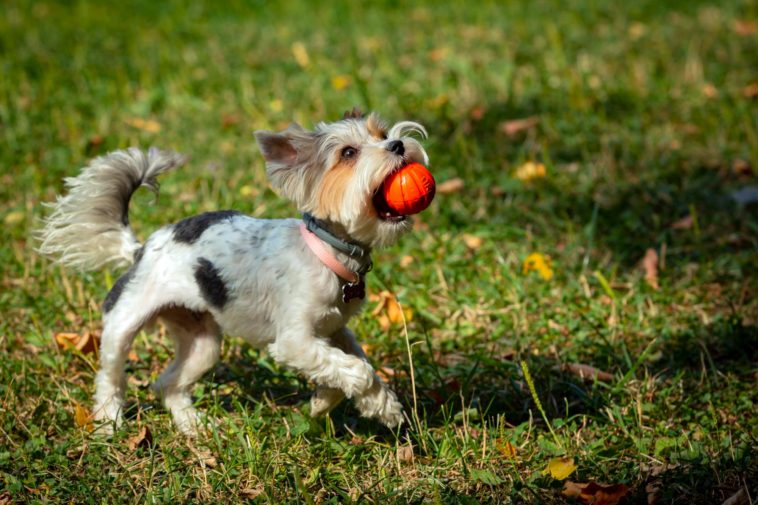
<point>640,120</point>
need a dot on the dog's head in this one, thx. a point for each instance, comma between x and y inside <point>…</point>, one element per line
<point>336,171</point>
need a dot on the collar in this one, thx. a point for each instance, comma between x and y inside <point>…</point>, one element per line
<point>355,251</point>
<point>327,258</point>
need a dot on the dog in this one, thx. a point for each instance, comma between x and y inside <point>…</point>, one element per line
<point>287,285</point>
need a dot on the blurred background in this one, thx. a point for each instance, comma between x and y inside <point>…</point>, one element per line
<point>597,206</point>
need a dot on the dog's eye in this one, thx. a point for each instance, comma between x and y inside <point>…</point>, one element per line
<point>349,152</point>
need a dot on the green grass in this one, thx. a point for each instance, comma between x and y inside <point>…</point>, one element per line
<point>643,120</point>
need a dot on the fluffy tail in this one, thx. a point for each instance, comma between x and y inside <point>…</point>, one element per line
<point>89,227</point>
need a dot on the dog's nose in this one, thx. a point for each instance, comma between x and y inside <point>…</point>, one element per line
<point>397,147</point>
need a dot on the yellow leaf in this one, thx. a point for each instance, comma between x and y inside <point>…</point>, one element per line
<point>301,54</point>
<point>14,217</point>
<point>539,263</point>
<point>530,171</point>
<point>472,241</point>
<point>148,125</point>
<point>340,82</point>
<point>560,468</point>
<point>507,448</point>
<point>82,417</point>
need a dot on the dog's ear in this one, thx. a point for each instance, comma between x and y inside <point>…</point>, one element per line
<point>356,113</point>
<point>288,155</point>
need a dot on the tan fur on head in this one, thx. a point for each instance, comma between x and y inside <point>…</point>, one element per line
<point>309,168</point>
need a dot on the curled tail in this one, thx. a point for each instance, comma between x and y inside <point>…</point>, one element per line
<point>89,227</point>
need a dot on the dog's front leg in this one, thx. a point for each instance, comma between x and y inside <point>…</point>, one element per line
<point>377,401</point>
<point>322,362</point>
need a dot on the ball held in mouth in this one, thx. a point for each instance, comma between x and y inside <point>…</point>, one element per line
<point>409,190</point>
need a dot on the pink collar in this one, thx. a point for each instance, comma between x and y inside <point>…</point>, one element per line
<point>327,258</point>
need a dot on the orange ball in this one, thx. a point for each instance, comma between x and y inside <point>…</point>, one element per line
<point>410,189</point>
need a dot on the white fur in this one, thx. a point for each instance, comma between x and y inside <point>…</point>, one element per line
<point>280,296</point>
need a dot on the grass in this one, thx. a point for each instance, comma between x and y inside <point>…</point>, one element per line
<point>645,116</point>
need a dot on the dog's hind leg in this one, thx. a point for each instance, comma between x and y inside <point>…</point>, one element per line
<point>197,338</point>
<point>120,325</point>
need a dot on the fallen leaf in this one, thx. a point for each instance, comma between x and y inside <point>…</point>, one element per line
<point>515,126</point>
<point>742,167</point>
<point>388,311</point>
<point>738,498</point>
<point>587,372</point>
<point>684,223</point>
<point>745,28</point>
<point>252,493</point>
<point>405,261</point>
<point>142,439</point>
<point>530,170</point>
<point>405,453</point>
<point>650,264</point>
<point>539,263</point>
<point>751,90</point>
<point>450,186</point>
<point>148,125</point>
<point>652,489</point>
<point>86,343</point>
<point>507,449</point>
<point>83,417</point>
<point>595,494</point>
<point>13,217</point>
<point>709,90</point>
<point>301,54</point>
<point>229,120</point>
<point>439,53</point>
<point>472,241</point>
<point>560,468</point>
<point>340,82</point>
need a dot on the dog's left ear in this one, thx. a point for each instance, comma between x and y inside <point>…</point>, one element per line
<point>288,154</point>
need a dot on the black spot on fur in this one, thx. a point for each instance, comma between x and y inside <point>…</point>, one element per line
<point>211,284</point>
<point>190,229</point>
<point>115,293</point>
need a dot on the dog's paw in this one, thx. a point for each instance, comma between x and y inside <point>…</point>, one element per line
<point>381,403</point>
<point>324,400</point>
<point>193,423</point>
<point>358,379</point>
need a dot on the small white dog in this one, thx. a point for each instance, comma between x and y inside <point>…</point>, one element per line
<point>272,282</point>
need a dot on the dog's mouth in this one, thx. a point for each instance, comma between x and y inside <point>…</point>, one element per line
<point>383,210</point>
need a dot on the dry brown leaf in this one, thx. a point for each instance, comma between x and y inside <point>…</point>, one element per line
<point>507,449</point>
<point>450,186</point>
<point>709,90</point>
<point>515,126</point>
<point>252,493</point>
<point>683,224</point>
<point>148,125</point>
<point>86,343</point>
<point>595,494</point>
<point>405,261</point>
<point>587,372</point>
<point>650,264</point>
<point>83,417</point>
<point>472,241</point>
<point>738,498</point>
<point>560,468</point>
<point>142,439</point>
<point>745,27</point>
<point>751,90</point>
<point>405,453</point>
